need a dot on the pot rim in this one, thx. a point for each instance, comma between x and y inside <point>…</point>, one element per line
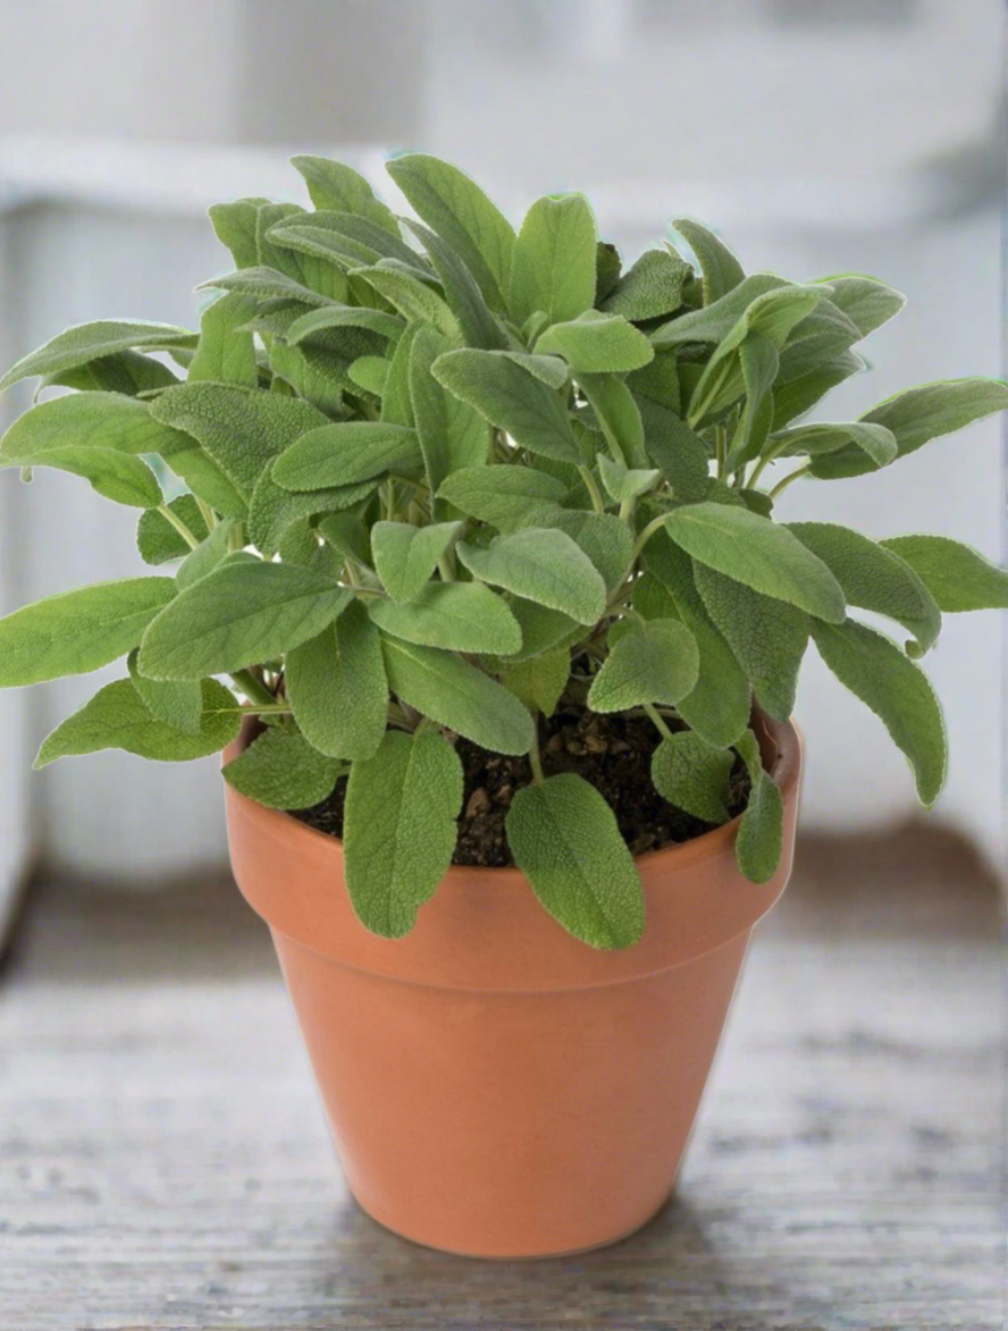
<point>780,745</point>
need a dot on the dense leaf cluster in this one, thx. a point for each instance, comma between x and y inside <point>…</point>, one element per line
<point>437,475</point>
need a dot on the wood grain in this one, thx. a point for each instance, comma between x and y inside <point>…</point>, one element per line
<point>164,1163</point>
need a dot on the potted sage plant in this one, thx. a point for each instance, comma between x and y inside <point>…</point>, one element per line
<point>468,559</point>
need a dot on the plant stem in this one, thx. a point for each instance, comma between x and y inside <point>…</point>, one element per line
<point>719,444</point>
<point>791,476</point>
<point>656,717</point>
<point>535,760</point>
<point>252,688</point>
<point>643,539</point>
<point>592,489</point>
<point>209,516</point>
<point>175,521</point>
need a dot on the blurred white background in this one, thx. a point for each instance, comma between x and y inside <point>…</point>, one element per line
<point>816,135</point>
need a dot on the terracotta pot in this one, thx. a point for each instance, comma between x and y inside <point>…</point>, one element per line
<point>495,1087</point>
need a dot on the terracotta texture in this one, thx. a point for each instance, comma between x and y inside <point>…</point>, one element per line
<point>495,1087</point>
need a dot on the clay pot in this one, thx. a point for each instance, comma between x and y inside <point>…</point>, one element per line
<point>495,1087</point>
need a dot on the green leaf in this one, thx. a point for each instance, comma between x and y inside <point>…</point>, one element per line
<point>551,370</point>
<point>544,565</point>
<point>412,298</point>
<point>897,691</point>
<point>347,535</point>
<point>397,405</point>
<point>874,578</point>
<point>128,372</point>
<point>369,373</point>
<point>623,484</point>
<point>504,496</point>
<point>239,430</point>
<point>767,636</point>
<point>314,374</point>
<point>608,266</point>
<point>759,363</point>
<point>478,325</point>
<point>759,553</point>
<point>510,397</point>
<point>957,576</point>
<point>676,449</point>
<point>618,416</point>
<point>652,287</point>
<point>158,541</point>
<point>919,415</point>
<point>235,225</point>
<point>602,536</point>
<point>346,453</point>
<point>459,616</point>
<point>206,556</point>
<point>337,687</point>
<point>400,829</point>
<point>281,770</point>
<point>542,630</point>
<point>722,272</point>
<point>406,556</point>
<point>821,438</point>
<point>553,268</point>
<point>240,614</point>
<point>451,433</point>
<point>693,776</point>
<point>458,695</point>
<point>718,707</point>
<point>94,341</point>
<point>458,210</point>
<point>346,240</point>
<point>262,284</point>
<point>332,185</point>
<point>178,704</point>
<point>273,510</point>
<point>315,322</point>
<point>714,322</point>
<point>565,840</point>
<point>867,302</point>
<point>86,420</point>
<point>760,838</point>
<point>598,343</point>
<point>798,391</point>
<point>75,632</point>
<point>118,718</point>
<point>655,661</point>
<point>540,681</point>
<point>225,353</point>
<point>116,476</point>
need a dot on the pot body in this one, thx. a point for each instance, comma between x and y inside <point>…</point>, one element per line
<point>495,1087</point>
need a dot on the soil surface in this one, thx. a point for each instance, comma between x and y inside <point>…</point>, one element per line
<point>611,752</point>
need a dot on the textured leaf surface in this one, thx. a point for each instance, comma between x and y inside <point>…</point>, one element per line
<point>458,695</point>
<point>602,537</point>
<point>158,541</point>
<point>540,681</point>
<point>504,496</point>
<point>759,553</point>
<point>478,325</point>
<point>622,484</point>
<point>281,770</point>
<point>178,704</point>
<point>459,616</point>
<point>452,434</point>
<point>652,287</point>
<point>760,839</point>
<point>117,718</point>
<point>116,476</point>
<point>767,636</point>
<point>128,372</point>
<point>722,272</point>
<point>597,343</point>
<point>714,322</point>
<point>412,297</point>
<point>406,556</point>
<point>618,416</point>
<point>335,185</point>
<point>457,209</point>
<point>655,661</point>
<point>206,556</point>
<point>337,687</point>
<point>564,838</point>
<point>897,691</point>
<point>75,632</point>
<point>273,510</point>
<point>543,565</point>
<point>313,323</point>
<point>86,420</point>
<point>919,415</point>
<point>238,615</point>
<point>400,828</point>
<point>958,577</point>
<point>346,453</point>
<point>510,397</point>
<point>874,578</point>
<point>867,302</point>
<point>553,269</point>
<point>225,353</point>
<point>692,775</point>
<point>876,442</point>
<point>94,341</point>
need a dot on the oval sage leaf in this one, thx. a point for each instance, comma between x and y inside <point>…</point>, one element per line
<point>281,770</point>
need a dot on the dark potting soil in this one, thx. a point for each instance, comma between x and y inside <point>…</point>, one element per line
<point>611,752</point>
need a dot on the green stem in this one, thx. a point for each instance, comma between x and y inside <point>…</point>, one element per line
<point>535,760</point>
<point>791,476</point>
<point>179,525</point>
<point>654,525</point>
<point>626,510</point>
<point>592,489</point>
<point>208,515</point>
<point>656,717</point>
<point>255,691</point>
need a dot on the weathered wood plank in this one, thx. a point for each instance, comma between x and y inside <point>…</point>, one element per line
<point>163,1160</point>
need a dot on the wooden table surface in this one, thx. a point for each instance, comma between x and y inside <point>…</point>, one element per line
<point>164,1162</point>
